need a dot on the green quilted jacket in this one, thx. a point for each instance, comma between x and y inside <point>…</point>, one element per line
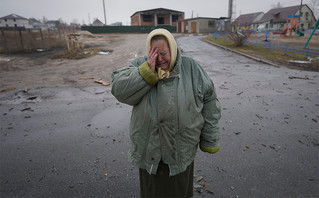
<point>171,116</point>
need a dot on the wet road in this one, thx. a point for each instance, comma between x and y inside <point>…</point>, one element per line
<point>72,142</point>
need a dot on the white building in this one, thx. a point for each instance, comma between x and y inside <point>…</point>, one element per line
<point>14,20</point>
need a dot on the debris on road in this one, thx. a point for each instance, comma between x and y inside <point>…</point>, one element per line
<point>9,89</point>
<point>296,77</point>
<point>85,78</point>
<point>102,82</point>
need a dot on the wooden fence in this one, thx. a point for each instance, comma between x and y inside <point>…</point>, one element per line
<point>27,40</point>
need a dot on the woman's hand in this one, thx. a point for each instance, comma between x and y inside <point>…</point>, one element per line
<point>152,57</point>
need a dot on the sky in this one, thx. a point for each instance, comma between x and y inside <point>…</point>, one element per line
<point>86,11</point>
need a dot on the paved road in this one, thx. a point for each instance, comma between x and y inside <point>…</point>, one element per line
<point>71,142</point>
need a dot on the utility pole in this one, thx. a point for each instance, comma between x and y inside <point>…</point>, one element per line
<point>104,12</point>
<point>230,9</point>
<point>300,10</point>
<point>299,25</point>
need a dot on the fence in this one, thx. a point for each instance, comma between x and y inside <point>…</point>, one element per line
<point>308,51</point>
<point>125,29</point>
<point>22,40</point>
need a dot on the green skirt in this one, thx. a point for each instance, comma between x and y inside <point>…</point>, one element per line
<point>163,185</point>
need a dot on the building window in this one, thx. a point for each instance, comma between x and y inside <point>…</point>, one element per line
<point>271,25</point>
<point>147,18</point>
<point>301,13</point>
<point>14,20</point>
<point>15,25</point>
<point>211,23</point>
<point>174,18</point>
<point>5,20</point>
<point>266,25</point>
<point>307,15</point>
<point>160,20</point>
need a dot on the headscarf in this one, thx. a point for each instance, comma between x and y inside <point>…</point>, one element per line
<point>172,47</point>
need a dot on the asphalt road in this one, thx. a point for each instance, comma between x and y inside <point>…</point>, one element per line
<point>73,142</point>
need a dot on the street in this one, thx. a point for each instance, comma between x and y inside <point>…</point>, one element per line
<point>73,142</point>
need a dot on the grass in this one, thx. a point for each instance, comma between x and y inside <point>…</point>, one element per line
<point>275,56</point>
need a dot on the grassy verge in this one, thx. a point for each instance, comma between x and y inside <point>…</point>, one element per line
<point>275,56</point>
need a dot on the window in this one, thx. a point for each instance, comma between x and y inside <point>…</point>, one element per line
<point>174,18</point>
<point>15,25</point>
<point>14,20</point>
<point>271,25</point>
<point>5,20</point>
<point>147,18</point>
<point>266,25</point>
<point>160,20</point>
<point>307,15</point>
<point>211,23</point>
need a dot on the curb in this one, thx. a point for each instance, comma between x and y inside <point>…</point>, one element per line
<point>243,54</point>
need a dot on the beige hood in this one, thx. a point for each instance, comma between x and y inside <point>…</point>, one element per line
<point>172,47</point>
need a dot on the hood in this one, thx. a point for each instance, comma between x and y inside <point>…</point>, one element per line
<point>172,47</point>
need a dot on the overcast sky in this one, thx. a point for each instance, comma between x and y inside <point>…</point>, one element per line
<point>81,11</point>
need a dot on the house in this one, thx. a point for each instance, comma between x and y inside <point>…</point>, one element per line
<point>36,24</point>
<point>197,25</point>
<point>97,22</point>
<point>14,21</point>
<point>276,19</point>
<point>116,24</point>
<point>248,21</point>
<point>155,17</point>
<point>53,24</point>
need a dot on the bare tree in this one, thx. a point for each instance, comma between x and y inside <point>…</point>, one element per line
<point>314,6</point>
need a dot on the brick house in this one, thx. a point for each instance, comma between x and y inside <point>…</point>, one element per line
<point>155,17</point>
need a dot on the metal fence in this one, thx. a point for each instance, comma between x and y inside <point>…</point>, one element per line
<point>308,51</point>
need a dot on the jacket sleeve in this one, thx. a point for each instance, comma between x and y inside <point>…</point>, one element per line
<point>209,140</point>
<point>130,84</point>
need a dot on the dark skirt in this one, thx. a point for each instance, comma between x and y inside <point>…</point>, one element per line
<point>163,185</point>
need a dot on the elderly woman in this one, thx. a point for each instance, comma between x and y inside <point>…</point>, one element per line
<point>175,109</point>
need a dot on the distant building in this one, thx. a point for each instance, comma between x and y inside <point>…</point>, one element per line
<point>197,25</point>
<point>36,24</point>
<point>249,20</point>
<point>156,17</point>
<point>116,24</point>
<point>53,24</point>
<point>97,22</point>
<point>14,20</point>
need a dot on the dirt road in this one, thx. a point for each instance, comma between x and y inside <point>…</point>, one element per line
<point>40,70</point>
